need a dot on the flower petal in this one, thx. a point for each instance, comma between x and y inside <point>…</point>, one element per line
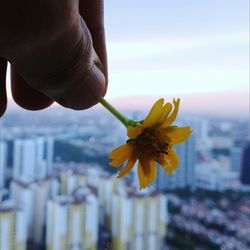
<point>127,168</point>
<point>167,109</point>
<point>173,159</point>
<point>141,176</point>
<point>118,162</point>
<point>154,114</point>
<point>153,171</point>
<point>123,149</point>
<point>173,115</point>
<point>120,155</point>
<point>168,169</point>
<point>133,132</point>
<point>179,134</point>
<point>148,170</point>
<point>165,163</point>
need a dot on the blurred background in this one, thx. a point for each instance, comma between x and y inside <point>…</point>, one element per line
<point>56,188</point>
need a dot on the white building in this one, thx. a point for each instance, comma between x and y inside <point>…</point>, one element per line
<point>24,194</point>
<point>3,163</point>
<point>84,175</point>
<point>68,181</point>
<point>200,127</point>
<point>13,234</point>
<point>32,199</point>
<point>33,158</point>
<point>211,176</point>
<point>106,187</point>
<point>49,154</point>
<point>72,221</point>
<point>24,159</point>
<point>138,221</point>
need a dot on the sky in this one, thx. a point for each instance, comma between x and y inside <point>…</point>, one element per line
<point>193,49</point>
<point>177,47</point>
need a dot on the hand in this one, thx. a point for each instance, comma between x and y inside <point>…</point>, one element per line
<point>52,46</point>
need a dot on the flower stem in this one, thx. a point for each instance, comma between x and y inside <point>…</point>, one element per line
<point>124,120</point>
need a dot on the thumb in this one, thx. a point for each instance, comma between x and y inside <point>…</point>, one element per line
<point>83,83</point>
<point>87,85</point>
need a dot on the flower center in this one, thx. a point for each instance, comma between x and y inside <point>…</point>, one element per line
<point>149,143</point>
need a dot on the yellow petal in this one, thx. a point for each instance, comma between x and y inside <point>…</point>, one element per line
<point>165,163</point>
<point>148,170</point>
<point>127,168</point>
<point>179,134</point>
<point>141,176</point>
<point>154,114</point>
<point>167,109</point>
<point>118,162</point>
<point>153,171</point>
<point>173,159</point>
<point>125,149</point>
<point>173,115</point>
<point>168,169</point>
<point>133,132</point>
<point>120,155</point>
<point>180,139</point>
<point>161,159</point>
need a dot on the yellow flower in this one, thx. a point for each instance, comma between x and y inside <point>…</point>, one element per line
<point>151,142</point>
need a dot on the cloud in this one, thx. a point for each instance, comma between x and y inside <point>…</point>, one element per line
<point>192,65</point>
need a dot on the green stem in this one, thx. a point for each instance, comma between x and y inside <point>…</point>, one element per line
<point>124,120</point>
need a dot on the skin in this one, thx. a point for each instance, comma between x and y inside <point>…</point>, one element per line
<point>57,52</point>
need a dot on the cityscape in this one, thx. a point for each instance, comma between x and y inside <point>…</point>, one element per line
<point>58,192</point>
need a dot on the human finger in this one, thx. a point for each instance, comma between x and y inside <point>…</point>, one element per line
<point>25,95</point>
<point>3,94</point>
<point>92,12</point>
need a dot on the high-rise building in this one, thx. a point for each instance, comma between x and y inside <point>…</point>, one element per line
<point>235,157</point>
<point>49,149</point>
<point>72,221</point>
<point>68,182</point>
<point>24,160</point>
<point>190,161</point>
<point>105,184</point>
<point>245,166</point>
<point>211,176</point>
<point>184,176</point>
<point>32,199</point>
<point>24,194</point>
<point>106,187</point>
<point>200,127</point>
<point>13,235</point>
<point>3,163</point>
<point>138,221</point>
<point>42,194</point>
<point>33,158</point>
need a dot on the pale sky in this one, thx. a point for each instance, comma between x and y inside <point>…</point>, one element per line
<point>180,48</point>
<point>175,47</point>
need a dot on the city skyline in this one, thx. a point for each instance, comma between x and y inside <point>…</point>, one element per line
<point>64,205</point>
